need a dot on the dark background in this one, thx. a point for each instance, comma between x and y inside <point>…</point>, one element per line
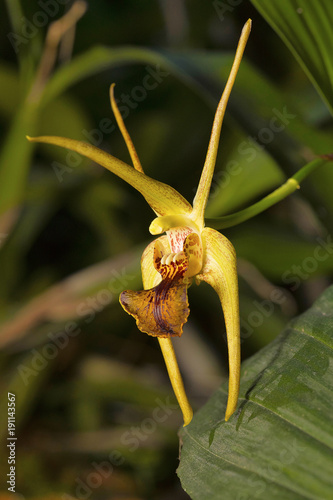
<point>87,400</point>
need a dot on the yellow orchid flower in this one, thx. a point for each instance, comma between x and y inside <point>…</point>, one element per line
<point>188,250</point>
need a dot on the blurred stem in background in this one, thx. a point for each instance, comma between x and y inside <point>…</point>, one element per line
<point>16,156</point>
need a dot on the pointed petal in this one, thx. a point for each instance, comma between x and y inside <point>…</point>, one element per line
<point>219,270</point>
<point>163,199</point>
<point>124,132</point>
<point>176,380</point>
<point>201,197</point>
<point>150,278</point>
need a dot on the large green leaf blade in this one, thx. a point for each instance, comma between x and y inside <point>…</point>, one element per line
<point>306,28</point>
<point>279,443</point>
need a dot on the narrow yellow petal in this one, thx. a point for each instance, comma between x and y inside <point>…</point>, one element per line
<point>124,132</point>
<point>151,278</point>
<point>163,199</point>
<point>201,197</point>
<point>219,271</point>
<point>176,378</point>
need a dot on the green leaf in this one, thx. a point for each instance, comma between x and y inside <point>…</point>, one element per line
<point>15,157</point>
<point>279,443</point>
<point>306,28</point>
<point>96,60</point>
<point>10,90</point>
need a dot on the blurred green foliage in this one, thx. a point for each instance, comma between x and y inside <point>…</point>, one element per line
<point>88,384</point>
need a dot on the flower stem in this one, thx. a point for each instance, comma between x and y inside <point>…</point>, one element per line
<point>279,194</point>
<point>55,34</point>
<point>176,378</point>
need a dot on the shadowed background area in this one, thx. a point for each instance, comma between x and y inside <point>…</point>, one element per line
<point>95,413</point>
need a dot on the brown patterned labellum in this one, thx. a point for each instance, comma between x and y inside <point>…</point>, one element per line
<point>163,310</point>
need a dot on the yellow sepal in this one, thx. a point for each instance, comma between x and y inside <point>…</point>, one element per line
<point>163,199</point>
<point>201,197</point>
<point>219,271</point>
